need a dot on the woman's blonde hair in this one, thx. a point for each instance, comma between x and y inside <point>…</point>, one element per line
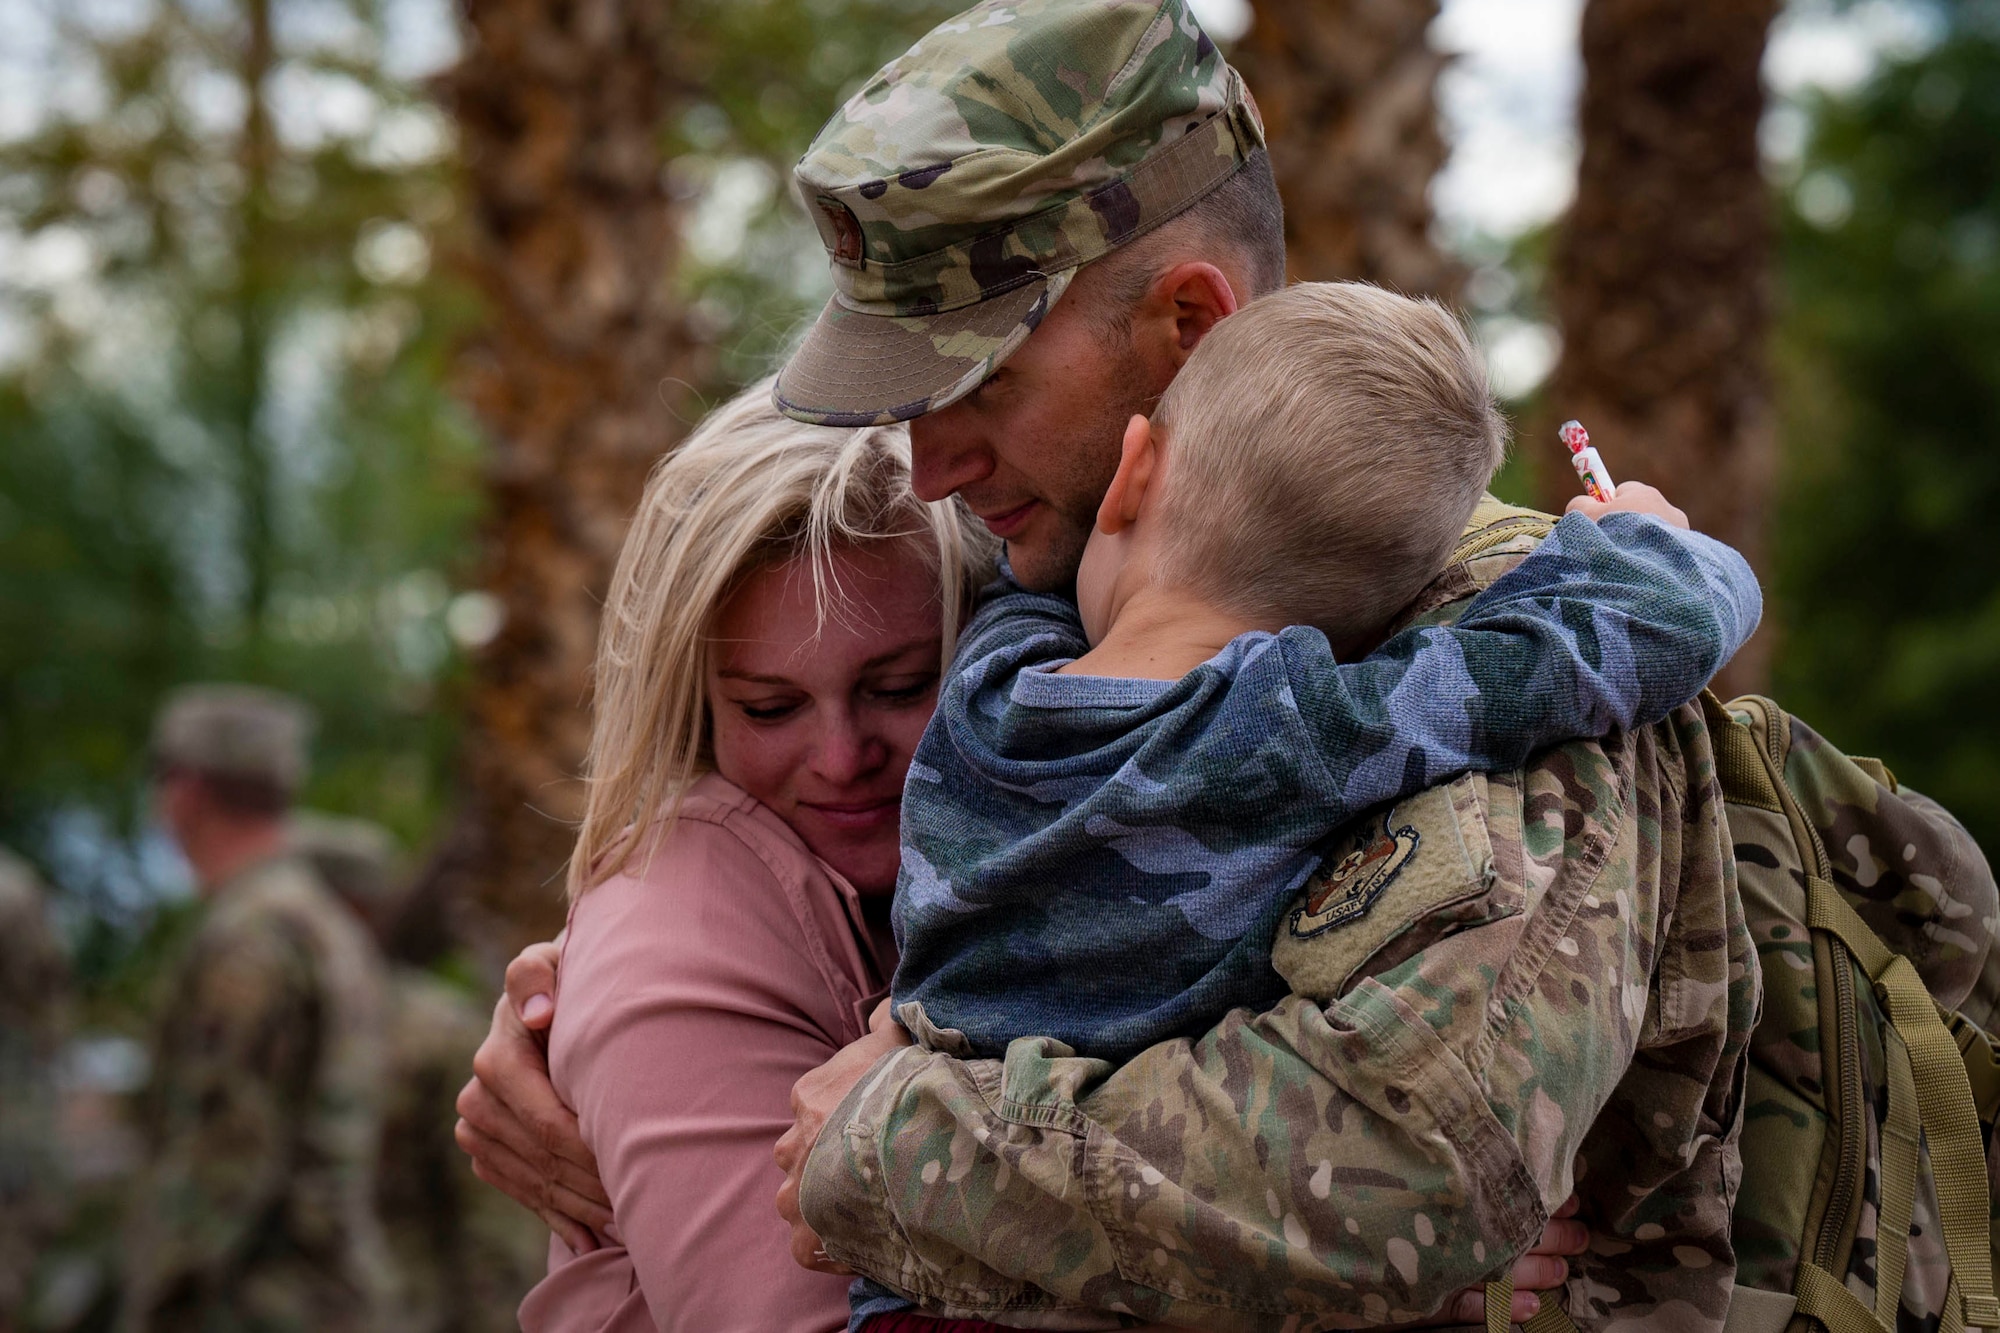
<point>750,488</point>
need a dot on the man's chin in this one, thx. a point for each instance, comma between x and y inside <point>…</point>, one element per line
<point>1047,562</point>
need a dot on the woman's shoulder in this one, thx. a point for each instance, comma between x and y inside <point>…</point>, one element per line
<point>718,829</point>
<point>728,916</point>
<point>727,885</point>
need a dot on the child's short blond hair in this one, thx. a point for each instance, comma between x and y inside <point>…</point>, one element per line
<point>1326,446</point>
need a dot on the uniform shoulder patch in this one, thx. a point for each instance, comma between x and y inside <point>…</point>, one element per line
<point>1345,892</point>
<point>1394,883</point>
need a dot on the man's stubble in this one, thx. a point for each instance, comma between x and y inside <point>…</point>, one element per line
<point>1079,464</point>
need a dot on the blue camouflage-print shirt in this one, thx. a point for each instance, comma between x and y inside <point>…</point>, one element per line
<point>1104,861</point>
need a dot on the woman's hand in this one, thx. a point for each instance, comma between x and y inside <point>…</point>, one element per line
<point>522,1140</point>
<point>814,1098</point>
<point>1543,1268</point>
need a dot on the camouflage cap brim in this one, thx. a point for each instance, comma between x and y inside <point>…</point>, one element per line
<point>861,369</point>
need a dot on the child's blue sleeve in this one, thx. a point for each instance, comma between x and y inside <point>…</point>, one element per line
<point>1010,624</point>
<point>1637,613</point>
<point>1604,627</point>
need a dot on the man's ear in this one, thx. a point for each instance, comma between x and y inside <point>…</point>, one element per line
<point>1194,297</point>
<point>1138,463</point>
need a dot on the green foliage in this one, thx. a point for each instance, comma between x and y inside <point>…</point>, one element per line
<point>1886,576</point>
<point>1505,294</point>
<point>230,453</point>
<point>765,75</point>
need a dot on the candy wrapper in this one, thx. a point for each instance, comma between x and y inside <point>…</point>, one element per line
<point>1589,467</point>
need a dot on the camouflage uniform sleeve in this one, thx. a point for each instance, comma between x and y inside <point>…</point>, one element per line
<point>234,1061</point>
<point>34,990</point>
<point>1398,1128</point>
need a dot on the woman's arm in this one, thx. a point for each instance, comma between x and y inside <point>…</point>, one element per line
<point>689,1006</point>
<point>522,1139</point>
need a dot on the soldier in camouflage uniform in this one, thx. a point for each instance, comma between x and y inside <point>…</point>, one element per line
<point>1550,987</point>
<point>1537,981</point>
<point>463,1255</point>
<point>254,1208</point>
<point>1552,980</point>
<point>34,992</point>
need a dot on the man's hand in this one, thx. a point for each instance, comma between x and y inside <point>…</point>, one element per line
<point>814,1098</point>
<point>522,1140</point>
<point>1631,497</point>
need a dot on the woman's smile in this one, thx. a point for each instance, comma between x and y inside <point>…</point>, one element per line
<point>862,816</point>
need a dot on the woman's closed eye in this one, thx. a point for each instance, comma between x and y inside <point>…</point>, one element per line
<point>904,689</point>
<point>770,709</point>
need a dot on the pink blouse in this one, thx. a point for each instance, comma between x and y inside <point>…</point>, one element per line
<point>691,998</point>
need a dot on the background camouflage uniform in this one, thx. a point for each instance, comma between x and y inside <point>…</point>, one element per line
<point>1554,989</point>
<point>254,1210</point>
<point>463,1253</point>
<point>34,986</point>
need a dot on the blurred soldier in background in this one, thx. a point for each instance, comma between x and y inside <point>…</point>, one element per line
<point>464,1254</point>
<point>255,1208</point>
<point>34,988</point>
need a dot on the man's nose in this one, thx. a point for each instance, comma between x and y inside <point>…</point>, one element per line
<point>946,453</point>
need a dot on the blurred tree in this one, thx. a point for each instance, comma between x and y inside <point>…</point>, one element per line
<point>228,452</point>
<point>1890,376</point>
<point>592,365</point>
<point>581,376</point>
<point>1659,279</point>
<point>1348,93</point>
<point>770,73</point>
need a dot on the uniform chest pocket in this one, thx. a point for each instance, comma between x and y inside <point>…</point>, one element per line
<point>1400,878</point>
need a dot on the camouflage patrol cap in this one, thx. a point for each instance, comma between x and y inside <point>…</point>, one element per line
<point>237,731</point>
<point>961,188</point>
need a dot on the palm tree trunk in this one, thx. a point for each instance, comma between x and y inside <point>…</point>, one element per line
<point>255,483</point>
<point>1660,279</point>
<point>579,379</point>
<point>1348,93</point>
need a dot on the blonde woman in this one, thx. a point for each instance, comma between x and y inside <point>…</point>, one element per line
<point>770,654</point>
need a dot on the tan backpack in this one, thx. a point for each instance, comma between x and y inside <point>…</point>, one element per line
<point>1866,1202</point>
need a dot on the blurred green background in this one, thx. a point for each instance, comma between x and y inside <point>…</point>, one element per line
<point>231,449</point>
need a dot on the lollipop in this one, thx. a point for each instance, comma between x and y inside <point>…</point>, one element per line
<point>1596,477</point>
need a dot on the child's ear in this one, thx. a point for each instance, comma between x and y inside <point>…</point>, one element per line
<point>1138,460</point>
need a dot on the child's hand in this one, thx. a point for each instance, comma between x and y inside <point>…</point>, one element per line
<point>1633,498</point>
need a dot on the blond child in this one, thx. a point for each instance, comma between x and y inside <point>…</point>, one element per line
<point>1112,808</point>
